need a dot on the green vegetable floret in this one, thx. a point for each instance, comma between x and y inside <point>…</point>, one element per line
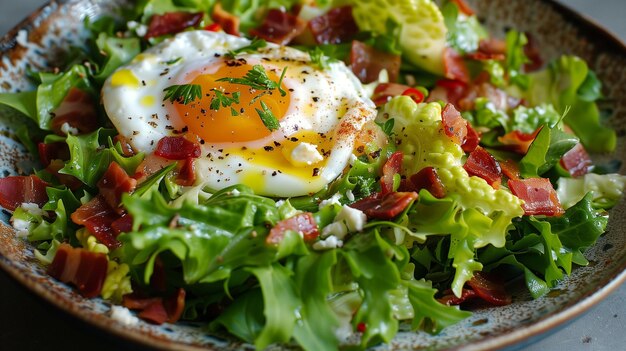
<point>473,213</point>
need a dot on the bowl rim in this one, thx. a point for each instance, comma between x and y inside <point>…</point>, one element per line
<point>540,326</point>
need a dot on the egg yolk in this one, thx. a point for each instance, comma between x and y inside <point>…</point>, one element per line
<point>239,121</point>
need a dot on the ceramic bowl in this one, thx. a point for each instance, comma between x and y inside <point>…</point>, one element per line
<point>42,38</point>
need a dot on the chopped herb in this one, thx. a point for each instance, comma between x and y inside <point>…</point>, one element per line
<point>184,94</point>
<point>233,112</point>
<point>387,127</point>
<point>268,118</point>
<point>255,45</point>
<point>318,58</point>
<point>258,79</point>
<point>223,100</point>
<point>173,61</point>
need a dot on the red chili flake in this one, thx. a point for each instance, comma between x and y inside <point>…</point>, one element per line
<point>414,94</point>
<point>361,327</point>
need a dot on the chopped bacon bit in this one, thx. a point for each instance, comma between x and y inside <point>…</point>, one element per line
<point>480,163</point>
<point>576,161</point>
<point>53,151</point>
<point>390,169</point>
<point>98,217</point>
<point>172,23</point>
<point>454,66</point>
<point>127,149</point>
<point>334,27</point>
<point>482,56</point>
<point>279,27</point>
<point>158,279</point>
<point>124,224</point>
<point>16,190</point>
<point>472,139</point>
<point>490,289</point>
<point>454,125</point>
<point>84,269</point>
<point>68,180</point>
<point>539,196</point>
<point>155,313</point>
<point>175,305</point>
<point>427,178</point>
<point>447,90</point>
<point>186,173</point>
<point>531,51</point>
<point>517,141</point>
<point>385,206</point>
<point>385,91</point>
<point>135,302</point>
<point>510,169</point>
<point>223,20</point>
<point>177,148</point>
<point>114,183</point>
<point>366,63</point>
<point>303,223</point>
<point>490,49</point>
<point>451,300</point>
<point>78,110</point>
<point>464,7</point>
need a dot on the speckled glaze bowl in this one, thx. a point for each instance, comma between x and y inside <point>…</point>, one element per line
<point>43,37</point>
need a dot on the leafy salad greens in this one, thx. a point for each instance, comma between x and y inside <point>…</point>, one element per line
<point>440,208</point>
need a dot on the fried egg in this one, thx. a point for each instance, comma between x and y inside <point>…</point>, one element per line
<point>319,111</point>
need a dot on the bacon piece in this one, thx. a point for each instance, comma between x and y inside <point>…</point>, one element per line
<point>366,63</point>
<point>480,163</point>
<point>334,27</point>
<point>114,183</point>
<point>390,169</point>
<point>177,148</point>
<point>385,206</point>
<point>488,288</point>
<point>224,20</point>
<point>451,300</point>
<point>449,91</point>
<point>68,180</point>
<point>427,178</point>
<point>135,302</point>
<point>472,139</point>
<point>84,269</point>
<point>539,196</point>
<point>279,27</point>
<point>454,66</point>
<point>124,224</point>
<point>16,190</point>
<point>385,91</point>
<point>454,125</point>
<point>490,49</point>
<point>464,7</point>
<point>172,23</point>
<point>127,149</point>
<point>98,217</point>
<point>175,305</point>
<point>53,151</point>
<point>186,172</point>
<point>155,313</point>
<point>517,141</point>
<point>303,223</point>
<point>510,169</point>
<point>78,110</point>
<point>576,161</point>
<point>533,54</point>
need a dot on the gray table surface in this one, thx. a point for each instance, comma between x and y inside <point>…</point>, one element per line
<point>27,323</point>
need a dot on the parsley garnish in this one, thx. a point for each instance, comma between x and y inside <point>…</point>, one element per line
<point>387,127</point>
<point>173,61</point>
<point>223,100</point>
<point>268,118</point>
<point>255,45</point>
<point>257,78</point>
<point>318,58</point>
<point>184,94</point>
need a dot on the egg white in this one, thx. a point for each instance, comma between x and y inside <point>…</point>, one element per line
<point>329,103</point>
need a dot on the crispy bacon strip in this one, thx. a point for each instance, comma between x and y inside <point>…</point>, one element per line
<point>53,151</point>
<point>302,223</point>
<point>576,161</point>
<point>84,269</point>
<point>451,300</point>
<point>386,206</point>
<point>16,190</point>
<point>366,63</point>
<point>224,20</point>
<point>472,139</point>
<point>490,289</point>
<point>68,180</point>
<point>427,178</point>
<point>464,7</point>
<point>186,172</point>
<point>78,110</point>
<point>539,196</point>
<point>334,27</point>
<point>517,141</point>
<point>177,148</point>
<point>480,163</point>
<point>114,183</point>
<point>172,23</point>
<point>98,217</point>
<point>279,27</point>
<point>454,66</point>
<point>390,169</point>
<point>157,310</point>
<point>454,125</point>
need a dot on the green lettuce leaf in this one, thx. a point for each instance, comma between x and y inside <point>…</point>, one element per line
<point>545,151</point>
<point>605,189</point>
<point>464,32</point>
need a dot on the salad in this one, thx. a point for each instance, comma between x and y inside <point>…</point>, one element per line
<point>310,172</point>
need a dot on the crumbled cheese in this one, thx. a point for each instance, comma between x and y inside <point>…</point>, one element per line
<point>33,209</point>
<point>140,29</point>
<point>353,159</point>
<point>67,129</point>
<point>355,219</point>
<point>123,315</point>
<point>330,201</point>
<point>337,229</point>
<point>22,38</point>
<point>305,154</point>
<point>21,227</point>
<point>329,243</point>
<point>349,195</point>
<point>279,203</point>
<point>235,192</point>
